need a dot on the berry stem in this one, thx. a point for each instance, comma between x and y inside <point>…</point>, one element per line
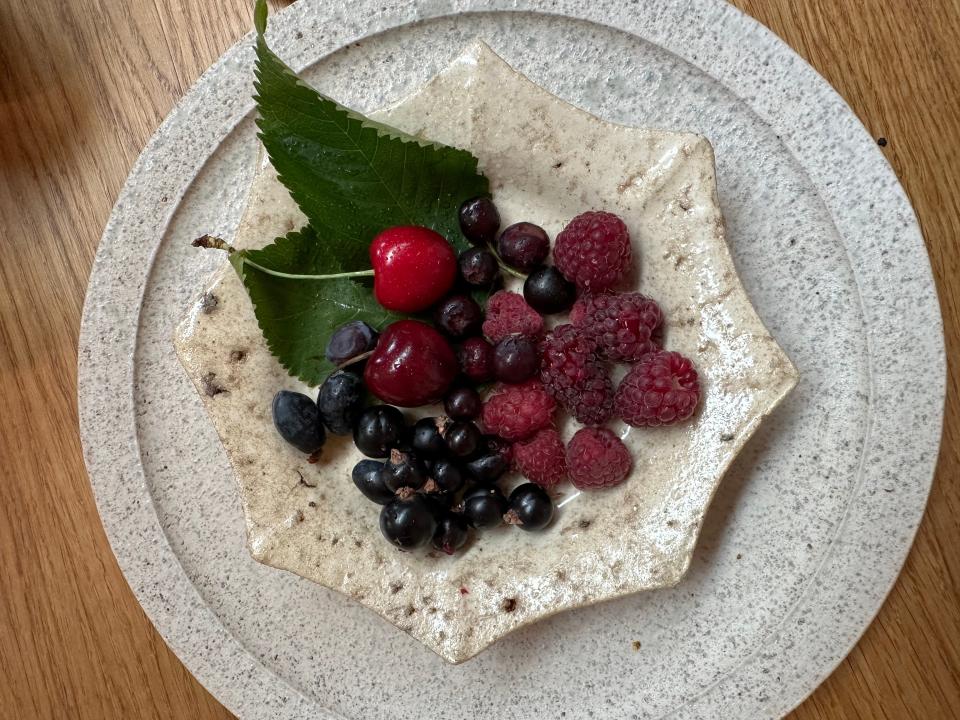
<point>215,243</point>
<point>503,265</point>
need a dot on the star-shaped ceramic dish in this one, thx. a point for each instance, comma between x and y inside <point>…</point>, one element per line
<point>547,161</point>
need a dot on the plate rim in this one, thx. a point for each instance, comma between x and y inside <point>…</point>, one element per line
<point>116,474</point>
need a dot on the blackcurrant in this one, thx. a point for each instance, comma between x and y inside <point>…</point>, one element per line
<point>548,292</point>
<point>458,316</point>
<point>463,403</point>
<point>427,439</point>
<point>341,401</point>
<point>350,340</point>
<point>403,470</point>
<point>463,439</point>
<point>488,467</point>
<point>366,476</point>
<point>515,359</point>
<point>475,356</point>
<point>484,506</point>
<point>297,419</point>
<point>452,533</point>
<point>379,428</point>
<point>447,477</point>
<point>523,246</point>
<point>479,220</point>
<point>407,522</point>
<point>478,267</point>
<point>530,507</point>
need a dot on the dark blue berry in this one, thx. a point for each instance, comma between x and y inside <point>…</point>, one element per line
<point>479,220</point>
<point>478,267</point>
<point>350,340</point>
<point>379,429</point>
<point>463,403</point>
<point>452,533</point>
<point>524,246</point>
<point>487,468</point>
<point>366,476</point>
<point>403,470</point>
<point>515,359</point>
<point>427,437</point>
<point>547,291</point>
<point>408,522</point>
<point>484,506</point>
<point>463,439</point>
<point>297,419</point>
<point>458,316</point>
<point>341,401</point>
<point>530,507</point>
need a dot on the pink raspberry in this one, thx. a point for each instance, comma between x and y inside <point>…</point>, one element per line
<point>623,325</point>
<point>593,251</point>
<point>509,314</point>
<point>572,373</point>
<point>596,458</point>
<point>542,458</point>
<point>661,389</point>
<point>518,411</point>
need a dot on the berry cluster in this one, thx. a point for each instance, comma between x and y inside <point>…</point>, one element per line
<point>438,479</point>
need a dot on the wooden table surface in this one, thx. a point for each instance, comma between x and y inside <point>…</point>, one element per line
<point>83,85</point>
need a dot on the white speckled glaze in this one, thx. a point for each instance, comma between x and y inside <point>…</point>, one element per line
<point>807,531</point>
<point>546,161</point>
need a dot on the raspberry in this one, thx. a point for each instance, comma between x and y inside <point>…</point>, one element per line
<point>596,458</point>
<point>518,411</point>
<point>593,251</point>
<point>661,389</point>
<point>572,373</point>
<point>622,325</point>
<point>509,314</point>
<point>542,458</point>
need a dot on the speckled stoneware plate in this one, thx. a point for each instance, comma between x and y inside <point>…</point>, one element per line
<point>812,521</point>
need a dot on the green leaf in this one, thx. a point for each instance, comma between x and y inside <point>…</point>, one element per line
<point>353,177</point>
<point>297,317</point>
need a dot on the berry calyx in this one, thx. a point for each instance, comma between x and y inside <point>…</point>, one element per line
<point>412,365</point>
<point>413,268</point>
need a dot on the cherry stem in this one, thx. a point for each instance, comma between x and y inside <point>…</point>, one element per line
<point>215,243</point>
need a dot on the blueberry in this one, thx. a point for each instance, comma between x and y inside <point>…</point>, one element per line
<point>487,468</point>
<point>463,439</point>
<point>530,507</point>
<point>478,267</point>
<point>341,401</point>
<point>379,428</point>
<point>484,506</point>
<point>515,359</point>
<point>452,533</point>
<point>350,340</point>
<point>463,403</point>
<point>427,439</point>
<point>447,477</point>
<point>548,292</point>
<point>479,220</point>
<point>408,522</point>
<point>297,419</point>
<point>458,316</point>
<point>475,356</point>
<point>366,476</point>
<point>524,246</point>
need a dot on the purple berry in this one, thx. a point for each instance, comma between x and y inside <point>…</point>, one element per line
<point>515,359</point>
<point>523,246</point>
<point>476,359</point>
<point>479,220</point>
<point>458,316</point>
<point>478,267</point>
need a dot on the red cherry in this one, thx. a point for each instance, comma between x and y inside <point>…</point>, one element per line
<point>413,268</point>
<point>412,365</point>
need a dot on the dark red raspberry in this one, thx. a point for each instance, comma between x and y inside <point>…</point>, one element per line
<point>542,459</point>
<point>475,356</point>
<point>572,373</point>
<point>623,325</point>
<point>593,251</point>
<point>518,411</point>
<point>596,458</point>
<point>509,314</point>
<point>661,389</point>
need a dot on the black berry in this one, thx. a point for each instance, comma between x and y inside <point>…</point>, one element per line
<point>478,267</point>
<point>379,428</point>
<point>458,316</point>
<point>452,533</point>
<point>403,470</point>
<point>463,403</point>
<point>476,359</point>
<point>484,506</point>
<point>463,439</point>
<point>366,476</point>
<point>427,437</point>
<point>479,220</point>
<point>530,507</point>
<point>547,291</point>
<point>341,401</point>
<point>297,419</point>
<point>515,359</point>
<point>407,522</point>
<point>487,468</point>
<point>524,246</point>
<point>350,340</point>
<point>447,478</point>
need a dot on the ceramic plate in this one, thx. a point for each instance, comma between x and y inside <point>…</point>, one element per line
<point>811,523</point>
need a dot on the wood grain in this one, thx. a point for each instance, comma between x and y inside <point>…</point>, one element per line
<point>83,84</point>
